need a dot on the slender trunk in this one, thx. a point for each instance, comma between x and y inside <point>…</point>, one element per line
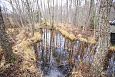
<point>91,14</point>
<point>51,37</point>
<point>36,53</point>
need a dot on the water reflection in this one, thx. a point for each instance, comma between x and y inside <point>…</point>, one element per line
<point>54,56</point>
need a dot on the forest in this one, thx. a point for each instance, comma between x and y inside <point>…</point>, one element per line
<point>57,38</point>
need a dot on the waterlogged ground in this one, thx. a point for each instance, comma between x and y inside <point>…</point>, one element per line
<point>54,72</point>
<point>53,69</point>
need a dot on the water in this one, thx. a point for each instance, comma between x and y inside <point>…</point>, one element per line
<point>53,68</point>
<point>111,67</point>
<point>54,73</point>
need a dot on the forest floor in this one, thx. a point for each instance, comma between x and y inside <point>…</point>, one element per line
<point>25,62</point>
<point>25,65</point>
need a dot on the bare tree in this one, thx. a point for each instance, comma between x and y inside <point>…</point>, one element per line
<point>4,41</point>
<point>104,36</point>
<point>91,14</point>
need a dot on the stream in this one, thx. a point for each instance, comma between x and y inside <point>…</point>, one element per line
<point>54,63</point>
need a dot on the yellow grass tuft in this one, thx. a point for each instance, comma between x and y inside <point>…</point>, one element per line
<point>81,38</point>
<point>37,37</point>
<point>91,40</point>
<point>66,34</point>
<point>112,48</point>
<point>25,45</point>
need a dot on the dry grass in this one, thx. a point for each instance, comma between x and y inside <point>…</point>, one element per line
<point>112,49</point>
<point>66,31</point>
<point>24,45</point>
<point>24,48</point>
<point>67,35</point>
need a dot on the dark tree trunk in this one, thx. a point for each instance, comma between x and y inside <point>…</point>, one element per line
<point>4,41</point>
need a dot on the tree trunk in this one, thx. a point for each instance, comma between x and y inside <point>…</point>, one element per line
<point>4,41</point>
<point>91,14</point>
<point>104,37</point>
